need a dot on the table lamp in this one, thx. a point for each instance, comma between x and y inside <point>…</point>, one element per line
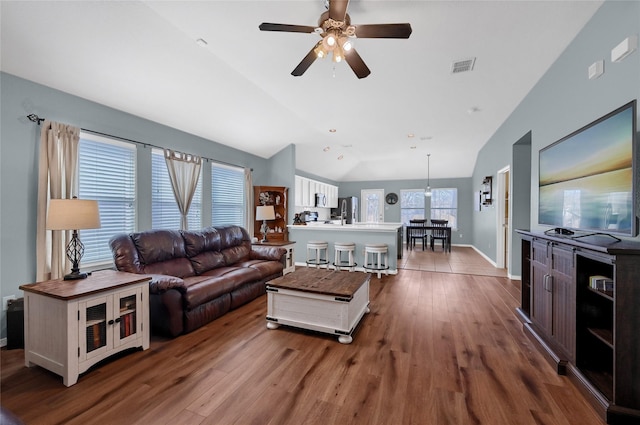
<point>73,214</point>
<point>264,213</point>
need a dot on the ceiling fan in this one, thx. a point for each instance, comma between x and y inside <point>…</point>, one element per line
<point>337,33</point>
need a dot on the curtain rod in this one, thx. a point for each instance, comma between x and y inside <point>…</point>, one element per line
<point>36,119</point>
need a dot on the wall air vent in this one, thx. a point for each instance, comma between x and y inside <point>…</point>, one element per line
<point>462,65</point>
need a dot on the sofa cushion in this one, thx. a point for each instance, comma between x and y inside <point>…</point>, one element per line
<point>237,275</point>
<point>201,289</point>
<point>207,261</point>
<point>162,252</point>
<point>266,268</point>
<point>205,240</point>
<point>236,254</point>
<point>125,254</point>
<point>231,236</point>
<point>180,267</point>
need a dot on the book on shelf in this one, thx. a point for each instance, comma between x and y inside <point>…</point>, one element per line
<point>95,336</point>
<point>127,325</point>
<point>601,283</point>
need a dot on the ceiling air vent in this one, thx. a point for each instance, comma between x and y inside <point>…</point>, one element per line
<point>462,65</point>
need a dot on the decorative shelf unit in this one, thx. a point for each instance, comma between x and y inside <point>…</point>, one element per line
<point>70,325</point>
<point>588,333</point>
<point>277,196</point>
<point>486,195</point>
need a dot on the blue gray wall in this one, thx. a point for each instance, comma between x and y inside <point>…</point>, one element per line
<point>562,101</point>
<point>461,236</point>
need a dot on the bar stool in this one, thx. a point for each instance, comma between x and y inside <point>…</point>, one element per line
<point>349,248</point>
<point>317,248</point>
<point>379,249</point>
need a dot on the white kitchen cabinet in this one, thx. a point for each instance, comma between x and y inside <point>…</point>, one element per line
<point>306,190</point>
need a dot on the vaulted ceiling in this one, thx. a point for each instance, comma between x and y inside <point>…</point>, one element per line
<point>143,58</point>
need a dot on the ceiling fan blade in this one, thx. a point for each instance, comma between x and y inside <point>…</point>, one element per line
<point>338,9</point>
<point>383,31</point>
<point>266,26</point>
<point>305,63</point>
<point>357,64</point>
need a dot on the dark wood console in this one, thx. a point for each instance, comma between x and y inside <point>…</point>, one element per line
<point>581,304</point>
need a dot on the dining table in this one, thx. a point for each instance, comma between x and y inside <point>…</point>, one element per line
<point>447,243</point>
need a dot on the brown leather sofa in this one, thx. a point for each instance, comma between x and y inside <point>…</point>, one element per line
<point>196,277</point>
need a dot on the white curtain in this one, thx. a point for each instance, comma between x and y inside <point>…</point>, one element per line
<point>248,201</point>
<point>57,179</point>
<point>184,171</point>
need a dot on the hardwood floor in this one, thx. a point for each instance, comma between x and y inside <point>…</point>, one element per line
<point>436,348</point>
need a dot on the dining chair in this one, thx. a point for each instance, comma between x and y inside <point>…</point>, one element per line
<point>439,232</point>
<point>417,230</point>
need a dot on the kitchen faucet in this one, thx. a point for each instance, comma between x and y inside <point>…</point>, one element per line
<point>343,211</point>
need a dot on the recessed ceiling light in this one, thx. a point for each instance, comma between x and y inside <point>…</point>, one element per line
<point>201,42</point>
<point>410,135</point>
<point>326,148</point>
<point>340,157</point>
<point>473,110</point>
<point>332,130</point>
<point>412,147</point>
<point>426,137</point>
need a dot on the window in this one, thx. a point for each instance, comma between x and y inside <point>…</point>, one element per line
<point>444,206</point>
<point>164,208</point>
<point>227,195</point>
<point>412,203</point>
<point>372,206</point>
<point>106,173</point>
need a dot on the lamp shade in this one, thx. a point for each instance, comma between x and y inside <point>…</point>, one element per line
<point>73,214</point>
<point>265,212</point>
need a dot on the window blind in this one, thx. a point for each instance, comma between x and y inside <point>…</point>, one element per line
<point>106,174</point>
<point>227,197</point>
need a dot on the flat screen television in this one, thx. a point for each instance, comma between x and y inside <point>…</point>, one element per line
<point>586,179</point>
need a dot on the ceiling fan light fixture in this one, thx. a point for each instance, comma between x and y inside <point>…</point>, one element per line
<point>336,32</point>
<point>338,54</point>
<point>319,50</point>
<point>329,42</point>
<point>345,43</point>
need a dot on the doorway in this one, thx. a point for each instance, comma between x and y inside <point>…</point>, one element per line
<point>503,220</point>
<point>372,206</point>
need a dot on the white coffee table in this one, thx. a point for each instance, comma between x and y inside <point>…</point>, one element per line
<point>332,302</point>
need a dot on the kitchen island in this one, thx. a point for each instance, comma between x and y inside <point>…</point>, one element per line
<point>360,233</point>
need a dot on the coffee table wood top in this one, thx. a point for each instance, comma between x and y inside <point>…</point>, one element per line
<point>320,281</point>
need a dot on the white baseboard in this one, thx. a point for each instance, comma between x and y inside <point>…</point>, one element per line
<point>493,263</point>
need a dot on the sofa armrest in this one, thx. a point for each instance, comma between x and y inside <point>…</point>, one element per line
<point>273,253</point>
<point>162,283</point>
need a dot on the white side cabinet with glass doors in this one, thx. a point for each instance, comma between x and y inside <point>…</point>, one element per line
<point>70,325</point>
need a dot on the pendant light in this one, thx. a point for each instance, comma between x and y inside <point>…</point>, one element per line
<point>428,191</point>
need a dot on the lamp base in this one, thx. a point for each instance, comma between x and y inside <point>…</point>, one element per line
<point>76,275</point>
